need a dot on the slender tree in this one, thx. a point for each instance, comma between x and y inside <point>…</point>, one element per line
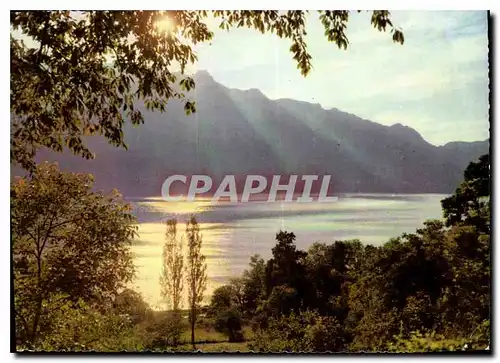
<point>172,276</point>
<point>196,270</point>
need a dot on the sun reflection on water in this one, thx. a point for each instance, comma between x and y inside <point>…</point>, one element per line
<point>234,232</point>
<point>148,247</point>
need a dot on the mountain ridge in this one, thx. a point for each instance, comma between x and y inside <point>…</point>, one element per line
<point>244,132</point>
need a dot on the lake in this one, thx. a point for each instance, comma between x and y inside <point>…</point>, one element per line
<point>232,232</point>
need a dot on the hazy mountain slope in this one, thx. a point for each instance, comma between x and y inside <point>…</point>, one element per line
<point>243,132</point>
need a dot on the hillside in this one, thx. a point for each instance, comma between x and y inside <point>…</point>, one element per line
<point>244,132</point>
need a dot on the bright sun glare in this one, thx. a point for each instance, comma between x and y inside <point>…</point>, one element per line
<point>165,25</point>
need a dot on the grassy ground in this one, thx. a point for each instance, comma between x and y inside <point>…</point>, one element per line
<point>203,335</point>
<point>217,347</point>
<point>207,339</point>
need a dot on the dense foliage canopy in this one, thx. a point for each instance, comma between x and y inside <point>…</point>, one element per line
<point>423,291</point>
<point>69,244</point>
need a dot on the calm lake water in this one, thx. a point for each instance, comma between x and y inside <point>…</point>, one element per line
<point>232,232</point>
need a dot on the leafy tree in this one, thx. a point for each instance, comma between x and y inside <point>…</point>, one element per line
<point>371,323</point>
<point>131,303</point>
<point>330,269</point>
<point>87,68</point>
<point>304,332</point>
<point>254,280</point>
<point>228,322</point>
<point>222,299</point>
<point>465,302</point>
<point>286,271</point>
<point>66,241</point>
<point>399,287</point>
<point>196,272</point>
<point>434,281</point>
<point>162,331</point>
<point>80,326</point>
<point>172,277</point>
<point>238,286</point>
<point>423,291</point>
<point>226,306</point>
<point>429,341</point>
<point>470,204</point>
<point>282,301</point>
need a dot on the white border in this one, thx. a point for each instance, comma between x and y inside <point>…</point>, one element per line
<point>260,4</point>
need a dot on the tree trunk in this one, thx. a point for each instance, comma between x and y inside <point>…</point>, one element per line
<point>193,320</point>
<point>38,311</point>
<point>36,320</point>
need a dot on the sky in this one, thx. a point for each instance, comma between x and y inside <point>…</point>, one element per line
<point>436,83</point>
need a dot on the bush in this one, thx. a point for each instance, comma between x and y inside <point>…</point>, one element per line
<point>165,331</point>
<point>425,342</point>
<point>81,327</point>
<point>228,322</point>
<point>305,332</point>
<point>430,341</point>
